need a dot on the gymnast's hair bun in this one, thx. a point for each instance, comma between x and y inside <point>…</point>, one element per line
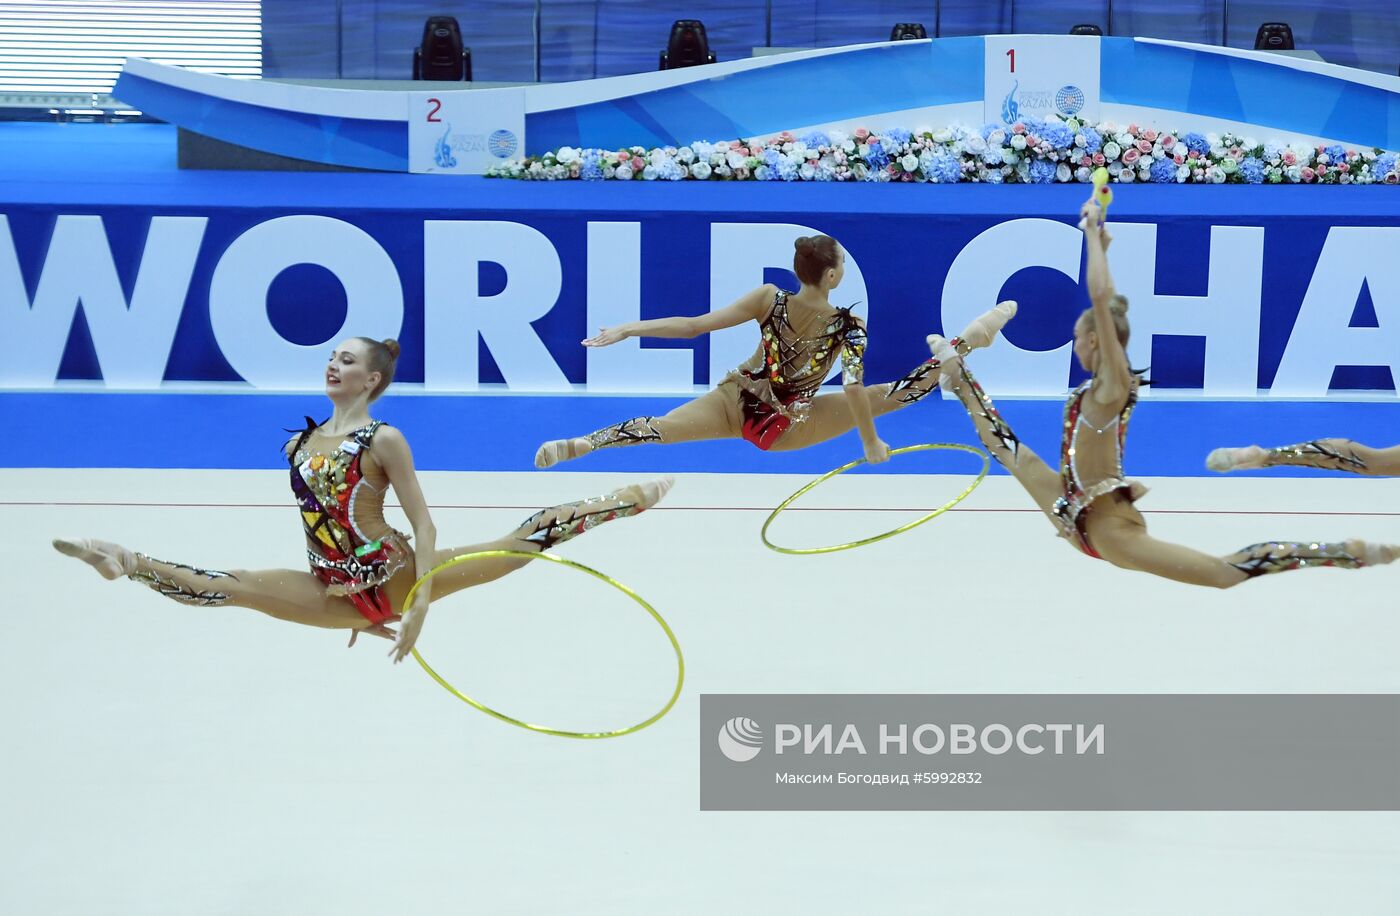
<point>393,347</point>
<point>1119,305</point>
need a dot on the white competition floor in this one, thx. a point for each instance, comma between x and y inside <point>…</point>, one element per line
<point>169,760</point>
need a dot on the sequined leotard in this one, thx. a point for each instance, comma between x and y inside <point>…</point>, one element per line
<point>1072,508</point>
<point>350,546</point>
<point>777,383</point>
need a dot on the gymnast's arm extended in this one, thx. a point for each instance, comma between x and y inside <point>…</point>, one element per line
<point>751,306</point>
<point>1112,376</point>
<point>392,452</point>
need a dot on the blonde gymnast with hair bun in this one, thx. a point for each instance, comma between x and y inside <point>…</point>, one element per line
<point>772,399</point>
<point>1089,500</point>
<point>361,568</point>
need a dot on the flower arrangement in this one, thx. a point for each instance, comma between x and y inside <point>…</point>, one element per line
<point>1027,152</point>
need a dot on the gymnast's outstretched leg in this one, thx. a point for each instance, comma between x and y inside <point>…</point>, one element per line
<point>1124,542</point>
<point>830,414</point>
<point>1037,477</point>
<point>300,597</point>
<point>544,530</point>
<point>291,595</point>
<point>714,415</point>
<point>1327,454</point>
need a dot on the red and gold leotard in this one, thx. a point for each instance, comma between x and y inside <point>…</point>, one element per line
<point>777,384</point>
<point>1072,508</point>
<point>350,546</point>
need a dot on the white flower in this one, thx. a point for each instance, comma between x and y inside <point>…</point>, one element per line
<point>1368,155</point>
<point>624,172</point>
<point>1323,159</point>
<point>808,171</point>
<point>1345,178</point>
<point>848,147</point>
<point>799,149</point>
<point>1216,151</point>
<point>649,173</point>
<point>1293,173</point>
<point>942,135</point>
<point>1144,174</point>
<point>1115,167</point>
<point>975,145</point>
<point>1082,173</point>
<point>734,160</point>
<point>657,157</point>
<point>1213,139</point>
<point>1124,139</point>
<point>1126,176</point>
<point>567,155</point>
<point>1183,172</point>
<point>536,168</point>
<point>910,162</point>
<point>1010,157</point>
<point>717,158</point>
<point>1111,151</point>
<point>1018,142</point>
<point>723,170</point>
<point>1158,152</point>
<point>702,150</point>
<point>1216,175</point>
<point>837,137</point>
<point>797,157</point>
<point>685,155</point>
<point>1062,172</point>
<point>700,171</point>
<point>1249,143</point>
<point>997,137</point>
<point>1079,140</point>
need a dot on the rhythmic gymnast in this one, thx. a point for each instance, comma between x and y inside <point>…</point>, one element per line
<point>1089,500</point>
<point>771,399</point>
<point>361,568</point>
<point>1327,454</point>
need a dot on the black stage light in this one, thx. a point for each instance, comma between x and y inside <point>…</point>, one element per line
<point>688,47</point>
<point>908,31</point>
<point>1086,28</point>
<point>442,56</point>
<point>1274,36</point>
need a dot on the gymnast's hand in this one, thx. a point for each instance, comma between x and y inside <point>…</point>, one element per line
<point>876,452</point>
<point>1090,215</point>
<point>410,627</point>
<point>377,629</point>
<point>605,336</point>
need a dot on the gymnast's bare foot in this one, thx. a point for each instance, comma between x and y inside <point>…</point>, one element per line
<point>551,453</point>
<point>112,561</point>
<point>985,327</point>
<point>1224,460</point>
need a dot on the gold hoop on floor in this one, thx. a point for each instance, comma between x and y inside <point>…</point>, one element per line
<point>544,729</point>
<point>931,446</point>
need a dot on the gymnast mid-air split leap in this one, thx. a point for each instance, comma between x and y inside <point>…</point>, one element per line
<point>772,399</point>
<point>1090,501</point>
<point>361,568</point>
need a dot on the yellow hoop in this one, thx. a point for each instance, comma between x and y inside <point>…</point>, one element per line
<point>932,446</point>
<point>562,733</point>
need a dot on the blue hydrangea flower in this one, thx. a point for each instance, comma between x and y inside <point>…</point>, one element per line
<point>764,173</point>
<point>1058,135</point>
<point>1163,171</point>
<point>815,139</point>
<point>786,169</point>
<point>994,176</point>
<point>1252,170</point>
<point>875,155</point>
<point>1092,141</point>
<point>1336,153</point>
<point>1196,143</point>
<point>1272,151</point>
<point>992,156</point>
<point>590,170</point>
<point>945,167</point>
<point>1384,163</point>
<point>1042,171</point>
<point>988,128</point>
<point>670,170</point>
<point>898,136</point>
